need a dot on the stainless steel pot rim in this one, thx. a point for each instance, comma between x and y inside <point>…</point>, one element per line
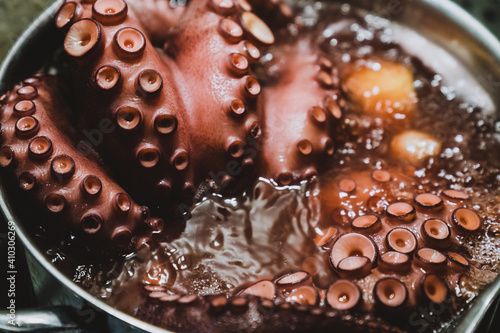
<point>447,8</point>
<point>479,31</point>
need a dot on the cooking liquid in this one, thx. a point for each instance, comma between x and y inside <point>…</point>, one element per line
<point>231,242</point>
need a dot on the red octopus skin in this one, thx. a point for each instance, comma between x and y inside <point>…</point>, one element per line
<point>212,90</point>
<point>374,194</point>
<point>299,114</point>
<point>88,207</point>
<point>222,122</point>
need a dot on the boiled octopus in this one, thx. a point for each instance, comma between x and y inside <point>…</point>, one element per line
<point>156,107</point>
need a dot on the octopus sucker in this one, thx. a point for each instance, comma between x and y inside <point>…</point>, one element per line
<point>431,259</point>
<point>92,186</point>
<point>24,108</point>
<point>109,12</point>
<point>465,220</point>
<point>434,288</point>
<point>107,77</point>
<point>390,294</point>
<point>366,224</point>
<point>393,261</point>
<point>250,165</point>
<point>343,295</point>
<point>231,30</point>
<point>149,81</point>
<point>436,233</point>
<point>263,289</point>
<point>354,267</point>
<point>67,13</point>
<point>458,261</point>
<point>83,38</point>
<point>401,240</point>
<point>40,148</point>
<point>258,30</point>
<point>353,245</point>
<point>129,42</point>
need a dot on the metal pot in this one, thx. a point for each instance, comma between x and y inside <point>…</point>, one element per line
<point>440,21</point>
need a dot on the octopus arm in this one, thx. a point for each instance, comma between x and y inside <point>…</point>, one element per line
<point>166,104</point>
<point>214,46</point>
<point>221,314</point>
<point>300,107</point>
<point>58,178</point>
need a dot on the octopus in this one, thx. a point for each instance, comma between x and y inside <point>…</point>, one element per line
<point>158,117</point>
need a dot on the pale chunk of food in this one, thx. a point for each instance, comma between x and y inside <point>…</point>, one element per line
<point>414,146</point>
<point>381,86</point>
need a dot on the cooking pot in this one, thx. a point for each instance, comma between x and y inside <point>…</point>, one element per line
<point>439,21</point>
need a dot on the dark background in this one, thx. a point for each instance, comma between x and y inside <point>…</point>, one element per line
<point>15,15</point>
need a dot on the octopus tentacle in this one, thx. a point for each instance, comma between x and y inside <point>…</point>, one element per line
<point>228,91</point>
<point>73,189</point>
<point>160,118</point>
<point>310,109</point>
<point>142,103</point>
<point>296,309</point>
